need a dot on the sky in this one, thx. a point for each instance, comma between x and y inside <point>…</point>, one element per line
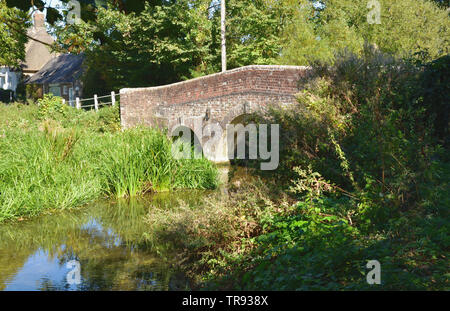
<point>53,3</point>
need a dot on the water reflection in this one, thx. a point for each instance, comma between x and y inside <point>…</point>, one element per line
<point>107,239</point>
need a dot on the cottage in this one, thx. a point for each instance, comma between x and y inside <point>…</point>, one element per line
<point>61,76</point>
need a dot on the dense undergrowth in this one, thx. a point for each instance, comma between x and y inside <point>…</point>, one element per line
<point>54,157</point>
<point>367,170</point>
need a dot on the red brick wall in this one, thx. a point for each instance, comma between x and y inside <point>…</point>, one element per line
<point>223,94</point>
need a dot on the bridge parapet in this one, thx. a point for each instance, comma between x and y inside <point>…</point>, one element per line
<point>217,99</point>
<point>222,95</point>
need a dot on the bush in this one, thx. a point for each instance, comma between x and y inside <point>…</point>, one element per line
<point>365,126</point>
<point>371,178</point>
<point>51,106</point>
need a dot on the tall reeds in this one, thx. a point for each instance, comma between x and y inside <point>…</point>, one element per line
<point>45,166</point>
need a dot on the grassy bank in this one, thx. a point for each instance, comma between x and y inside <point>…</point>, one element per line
<point>54,157</point>
<point>364,175</point>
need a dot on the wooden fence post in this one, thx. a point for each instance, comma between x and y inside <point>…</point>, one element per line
<point>78,105</point>
<point>113,98</point>
<point>96,102</point>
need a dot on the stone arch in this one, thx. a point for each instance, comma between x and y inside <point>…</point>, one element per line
<point>234,115</point>
<point>243,108</point>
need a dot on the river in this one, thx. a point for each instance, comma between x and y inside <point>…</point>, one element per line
<point>107,239</point>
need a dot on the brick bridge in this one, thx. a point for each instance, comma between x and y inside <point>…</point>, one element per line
<point>220,98</point>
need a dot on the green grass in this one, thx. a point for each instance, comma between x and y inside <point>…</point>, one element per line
<point>64,158</point>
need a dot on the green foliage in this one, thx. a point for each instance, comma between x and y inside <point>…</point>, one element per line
<point>319,248</point>
<point>364,153</point>
<point>254,30</point>
<point>363,162</point>
<point>51,106</point>
<point>139,160</point>
<point>158,45</point>
<point>104,120</point>
<point>166,42</point>
<point>364,126</point>
<point>146,43</point>
<point>323,246</point>
<point>368,128</point>
<point>406,27</point>
<point>13,25</point>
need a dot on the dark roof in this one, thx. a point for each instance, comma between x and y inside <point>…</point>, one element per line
<point>66,68</point>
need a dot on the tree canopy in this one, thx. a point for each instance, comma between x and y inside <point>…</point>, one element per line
<point>131,43</point>
<point>168,41</point>
<point>13,25</point>
<point>405,28</point>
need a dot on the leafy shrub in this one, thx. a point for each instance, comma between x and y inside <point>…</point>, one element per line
<point>364,126</point>
<point>376,181</point>
<point>51,106</point>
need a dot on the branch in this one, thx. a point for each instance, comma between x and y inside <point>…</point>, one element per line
<point>215,6</point>
<point>36,9</point>
<point>20,32</point>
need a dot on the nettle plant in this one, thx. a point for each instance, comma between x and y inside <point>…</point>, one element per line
<point>51,106</point>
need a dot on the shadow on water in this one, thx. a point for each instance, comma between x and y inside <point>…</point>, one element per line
<point>107,239</point>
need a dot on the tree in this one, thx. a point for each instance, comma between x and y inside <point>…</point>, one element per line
<point>254,30</point>
<point>13,25</point>
<point>168,41</point>
<point>407,27</point>
<point>161,44</point>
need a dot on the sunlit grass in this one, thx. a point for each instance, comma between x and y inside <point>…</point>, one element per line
<point>53,164</point>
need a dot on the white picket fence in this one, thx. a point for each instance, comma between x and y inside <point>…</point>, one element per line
<point>96,105</point>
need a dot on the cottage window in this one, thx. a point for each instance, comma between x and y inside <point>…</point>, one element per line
<point>65,89</point>
<point>55,89</point>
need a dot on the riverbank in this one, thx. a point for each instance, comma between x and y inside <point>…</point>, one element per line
<point>54,157</point>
